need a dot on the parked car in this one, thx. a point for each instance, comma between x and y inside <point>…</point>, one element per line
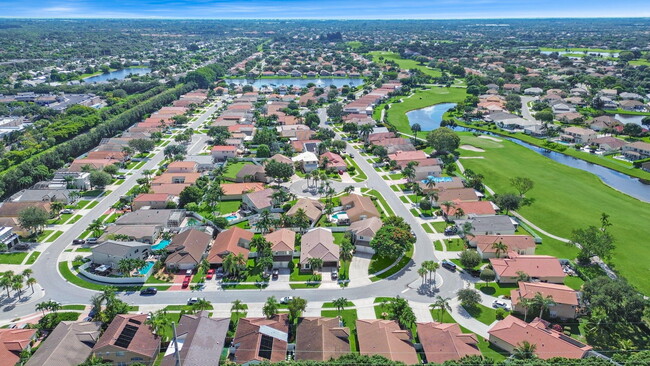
<point>340,172</point>
<point>286,299</point>
<point>335,274</point>
<point>91,241</point>
<point>186,281</point>
<point>219,273</point>
<point>451,230</point>
<point>121,176</point>
<point>149,291</point>
<point>79,241</point>
<point>193,300</point>
<point>275,273</point>
<point>66,211</point>
<point>188,272</point>
<point>500,304</point>
<point>449,265</point>
<point>210,274</point>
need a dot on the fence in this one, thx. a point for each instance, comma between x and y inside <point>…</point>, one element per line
<point>113,280</point>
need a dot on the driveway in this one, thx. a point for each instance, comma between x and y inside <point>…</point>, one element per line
<point>359,270</point>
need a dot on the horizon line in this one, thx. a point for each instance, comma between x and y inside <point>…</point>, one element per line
<point>331,18</point>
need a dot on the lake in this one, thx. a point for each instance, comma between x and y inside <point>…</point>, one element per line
<point>629,118</point>
<point>118,74</point>
<point>598,54</point>
<point>429,118</point>
<point>299,82</point>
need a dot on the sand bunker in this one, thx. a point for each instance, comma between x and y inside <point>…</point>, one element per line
<point>471,148</point>
<point>490,138</point>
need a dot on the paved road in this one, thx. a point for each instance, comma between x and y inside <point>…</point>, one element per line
<point>525,112</point>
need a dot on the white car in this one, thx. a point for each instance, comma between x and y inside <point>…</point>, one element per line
<point>192,300</point>
<point>500,304</point>
<point>286,299</point>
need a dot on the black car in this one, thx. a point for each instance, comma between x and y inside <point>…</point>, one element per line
<point>149,291</point>
<point>449,265</point>
<point>451,230</point>
<point>275,273</point>
<point>79,241</point>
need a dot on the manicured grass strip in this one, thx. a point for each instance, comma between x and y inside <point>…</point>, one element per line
<point>495,289</point>
<point>331,304</point>
<point>244,287</point>
<point>84,250</point>
<point>13,258</point>
<point>404,199</point>
<point>70,277</point>
<point>406,259</point>
<point>54,236</point>
<point>41,237</point>
<point>183,307</point>
<point>360,174</point>
<point>440,226</point>
<point>233,168</point>
<point>73,307</point>
<point>574,282</point>
<point>380,198</point>
<point>427,228</point>
<point>297,286</point>
<point>33,257</point>
<point>74,219</point>
<point>483,314</point>
<point>92,204</point>
<point>349,318</point>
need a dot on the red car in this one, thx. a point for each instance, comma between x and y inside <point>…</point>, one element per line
<point>210,274</point>
<point>186,281</point>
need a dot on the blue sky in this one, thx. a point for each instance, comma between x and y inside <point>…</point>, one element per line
<point>322,9</point>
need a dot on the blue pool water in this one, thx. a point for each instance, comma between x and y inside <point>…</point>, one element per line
<point>336,215</point>
<point>161,245</point>
<point>231,217</point>
<point>147,267</point>
<point>437,179</point>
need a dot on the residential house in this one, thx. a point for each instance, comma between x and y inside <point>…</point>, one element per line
<point>142,233</point>
<point>633,105</point>
<point>164,218</point>
<point>281,159</point>
<point>251,173</point>
<point>13,209</point>
<point>223,152</point>
<point>490,225</point>
<point>385,338</point>
<point>200,340</point>
<point>308,161</point>
<point>566,300</point>
<point>258,201</point>
<point>334,161</point>
<point>44,195</point>
<point>604,122</point>
<point>363,231</point>
<point>78,164</point>
<point>151,201</point>
<point>182,167</point>
<point>203,162</point>
<point>578,135</point>
<point>321,339</point>
<point>69,344</point>
<point>318,243</point>
<point>8,237</point>
<point>176,178</point>
<point>464,210</point>
<point>446,342</point>
<point>633,151</point>
<point>520,244</point>
<point>235,191</point>
<point>358,207</point>
<point>533,91</point>
<point>111,252</point>
<point>510,332</point>
<point>543,268</point>
<point>313,209</point>
<point>283,242</point>
<point>427,172</point>
<point>187,249</point>
<point>628,95</point>
<point>13,342</point>
<point>261,339</point>
<point>460,194</point>
<point>234,240</point>
<point>609,143</point>
<point>404,157</point>
<point>512,87</point>
<point>128,339</point>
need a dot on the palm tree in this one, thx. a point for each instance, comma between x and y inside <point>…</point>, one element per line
<point>459,212</point>
<point>5,281</point>
<point>56,208</point>
<point>544,302</point>
<point>296,306</point>
<point>430,183</point>
<point>31,281</point>
<point>202,304</point>
<point>54,306</point>
<point>365,130</point>
<point>522,276</point>
<point>340,304</point>
<point>270,308</point>
<point>27,273</point>
<point>499,248</point>
<point>524,351</point>
<point>447,205</point>
<point>315,263</point>
<point>525,303</point>
<point>96,303</point>
<point>308,177</point>
<point>432,267</point>
<point>264,223</point>
<point>159,322</point>
<point>17,285</point>
<point>348,189</point>
<point>441,303</point>
<point>423,273</point>
<point>237,306</point>
<point>301,219</point>
<point>42,306</point>
<point>125,266</point>
<point>345,250</point>
<point>416,128</point>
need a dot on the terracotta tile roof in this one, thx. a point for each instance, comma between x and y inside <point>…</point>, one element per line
<point>152,197</point>
<point>549,342</point>
<point>445,341</point>
<point>174,189</point>
<point>228,242</point>
<point>232,189</point>
<point>224,148</point>
<point>313,208</point>
<point>334,160</point>
<point>318,243</point>
<point>282,240</point>
<point>361,205</point>
<point>367,227</point>
<point>469,208</point>
<point>253,332</point>
<point>534,265</point>
<point>561,294</point>
<point>15,340</point>
<point>182,164</point>
<point>130,333</point>
<point>261,199</point>
<point>385,338</point>
<point>281,159</point>
<point>408,155</point>
<point>172,178</point>
<point>513,242</point>
<point>13,209</point>
<point>461,194</point>
<point>321,339</point>
<point>188,247</point>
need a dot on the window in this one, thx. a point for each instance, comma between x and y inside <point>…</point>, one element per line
<point>137,359</point>
<point>119,353</point>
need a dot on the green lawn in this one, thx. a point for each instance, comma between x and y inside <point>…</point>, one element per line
<point>359,175</point>
<point>73,307</point>
<point>13,258</point>
<point>297,286</point>
<point>60,219</point>
<point>74,219</point>
<point>567,199</point>
<point>404,63</point>
<point>483,314</point>
<point>349,318</point>
<point>396,115</point>
<point>33,257</point>
<point>406,259</point>
<point>495,289</point>
<point>380,198</point>
<point>338,238</point>
<point>455,245</point>
<point>639,62</point>
<point>427,228</point>
<point>297,276</point>
<point>440,226</point>
<point>574,282</point>
<point>378,263</point>
<point>72,278</point>
<point>579,50</point>
<point>331,304</point>
<point>54,236</point>
<point>226,207</point>
<point>233,168</point>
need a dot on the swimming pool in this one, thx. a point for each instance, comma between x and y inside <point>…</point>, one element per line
<point>437,179</point>
<point>231,217</point>
<point>162,245</point>
<point>343,214</point>
<point>147,267</point>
